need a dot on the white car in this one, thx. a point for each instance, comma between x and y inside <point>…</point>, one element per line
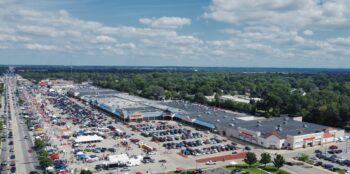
<point>151,153</point>
<point>210,162</point>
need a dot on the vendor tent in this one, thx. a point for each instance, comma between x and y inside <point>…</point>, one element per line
<point>88,139</point>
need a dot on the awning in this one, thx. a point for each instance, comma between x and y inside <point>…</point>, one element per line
<point>204,123</point>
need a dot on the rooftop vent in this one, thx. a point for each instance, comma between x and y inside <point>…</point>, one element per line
<point>233,119</point>
<point>285,118</point>
<point>284,122</point>
<point>217,120</point>
<point>300,132</point>
<point>279,129</point>
<point>232,125</point>
<point>305,125</point>
<point>258,125</point>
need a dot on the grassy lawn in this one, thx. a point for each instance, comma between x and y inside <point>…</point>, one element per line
<point>273,169</point>
<point>255,170</point>
<point>252,170</point>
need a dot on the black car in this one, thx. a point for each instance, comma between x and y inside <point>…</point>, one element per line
<point>111,149</point>
<point>318,151</point>
<point>33,172</point>
<point>99,167</point>
<point>318,163</point>
<point>13,169</point>
<point>12,157</point>
<point>162,161</point>
<point>328,166</point>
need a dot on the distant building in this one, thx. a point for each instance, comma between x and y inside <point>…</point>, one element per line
<point>283,132</point>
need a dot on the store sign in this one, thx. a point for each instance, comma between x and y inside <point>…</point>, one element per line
<point>136,116</point>
<point>309,139</point>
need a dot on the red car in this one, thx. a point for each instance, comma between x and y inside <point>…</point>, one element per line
<point>333,147</point>
<point>134,140</point>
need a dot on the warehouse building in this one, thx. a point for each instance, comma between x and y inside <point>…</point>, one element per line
<point>283,132</point>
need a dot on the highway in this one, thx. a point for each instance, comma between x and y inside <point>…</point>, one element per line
<point>25,161</point>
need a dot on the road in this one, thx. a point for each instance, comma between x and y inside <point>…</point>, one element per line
<point>4,145</point>
<point>25,162</point>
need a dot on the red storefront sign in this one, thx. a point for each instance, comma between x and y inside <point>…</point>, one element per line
<point>309,139</point>
<point>136,116</point>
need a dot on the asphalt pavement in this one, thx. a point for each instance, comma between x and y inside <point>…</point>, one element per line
<point>25,162</point>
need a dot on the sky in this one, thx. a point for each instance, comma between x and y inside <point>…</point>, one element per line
<point>224,33</point>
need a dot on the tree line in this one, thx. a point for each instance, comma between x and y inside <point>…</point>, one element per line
<point>322,98</point>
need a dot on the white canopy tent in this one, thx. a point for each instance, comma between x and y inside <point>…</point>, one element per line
<point>88,139</point>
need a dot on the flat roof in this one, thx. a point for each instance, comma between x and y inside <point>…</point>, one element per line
<point>219,117</point>
<point>283,126</point>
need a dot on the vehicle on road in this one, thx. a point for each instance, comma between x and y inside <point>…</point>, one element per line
<point>4,163</point>
<point>33,172</point>
<point>12,157</point>
<point>162,161</point>
<point>124,169</point>
<point>210,163</point>
<point>13,169</point>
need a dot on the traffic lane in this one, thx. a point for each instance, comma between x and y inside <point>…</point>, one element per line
<point>29,157</point>
<point>20,164</point>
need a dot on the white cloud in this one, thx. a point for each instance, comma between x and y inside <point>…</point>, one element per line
<point>288,13</point>
<point>103,39</point>
<point>40,47</point>
<point>270,33</point>
<point>308,32</point>
<point>12,38</point>
<point>166,22</point>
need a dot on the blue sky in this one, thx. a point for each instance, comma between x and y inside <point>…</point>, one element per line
<point>249,33</point>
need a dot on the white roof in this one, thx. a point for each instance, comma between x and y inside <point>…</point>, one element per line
<point>122,158</point>
<point>89,138</point>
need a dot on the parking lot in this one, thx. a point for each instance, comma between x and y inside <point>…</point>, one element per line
<point>153,146</point>
<point>330,157</point>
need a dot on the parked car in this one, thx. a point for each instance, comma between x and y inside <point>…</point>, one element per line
<point>333,147</point>
<point>328,166</point>
<point>210,162</point>
<point>318,163</point>
<point>124,169</point>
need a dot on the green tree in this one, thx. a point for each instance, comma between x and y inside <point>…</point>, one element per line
<point>265,158</point>
<point>279,161</point>
<point>250,159</point>
<point>304,157</point>
<point>85,172</point>
<point>44,160</point>
<point>39,144</point>
<point>200,98</point>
